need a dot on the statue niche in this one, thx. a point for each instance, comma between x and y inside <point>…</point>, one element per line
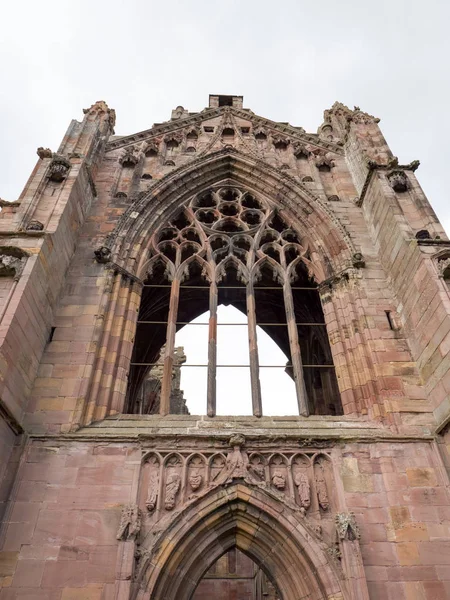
<point>172,485</point>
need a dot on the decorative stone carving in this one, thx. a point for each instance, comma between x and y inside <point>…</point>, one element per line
<point>423,234</point>
<point>130,157</point>
<point>321,486</point>
<point>278,472</point>
<point>279,480</point>
<point>100,107</point>
<point>304,491</point>
<point>324,162</point>
<point>150,148</point>
<point>236,462</point>
<point>130,523</point>
<point>173,484</point>
<point>59,168</point>
<point>358,260</point>
<point>347,527</point>
<point>103,255</point>
<point>398,181</point>
<point>443,265</point>
<point>280,142</point>
<point>196,473</point>
<point>301,479</point>
<point>195,480</point>
<point>257,468</point>
<point>153,484</point>
<point>35,226</point>
<point>12,261</point>
<point>301,151</point>
<point>333,198</point>
<point>44,152</point>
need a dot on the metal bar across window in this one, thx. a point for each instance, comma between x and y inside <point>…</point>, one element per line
<point>133,364</point>
<point>222,324</point>
<point>227,287</point>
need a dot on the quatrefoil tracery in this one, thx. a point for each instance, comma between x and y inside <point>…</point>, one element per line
<point>229,224</point>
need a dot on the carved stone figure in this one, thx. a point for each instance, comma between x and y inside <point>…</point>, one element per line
<point>279,480</point>
<point>321,488</point>
<point>102,255</point>
<point>130,522</point>
<point>11,266</point>
<point>153,490</point>
<point>173,484</point>
<point>347,527</point>
<point>256,468</point>
<point>304,492</point>
<point>358,260</point>
<point>398,181</point>
<point>44,152</point>
<point>35,226</point>
<point>59,168</point>
<point>195,480</point>
<point>236,464</point>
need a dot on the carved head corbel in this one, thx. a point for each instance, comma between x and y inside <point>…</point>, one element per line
<point>398,181</point>
<point>59,168</point>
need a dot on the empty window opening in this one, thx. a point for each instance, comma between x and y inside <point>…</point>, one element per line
<point>208,129</point>
<point>211,338</point>
<point>225,100</point>
<point>389,319</point>
<point>228,132</point>
<point>245,130</point>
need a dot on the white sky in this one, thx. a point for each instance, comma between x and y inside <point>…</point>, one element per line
<point>233,384</point>
<point>289,59</point>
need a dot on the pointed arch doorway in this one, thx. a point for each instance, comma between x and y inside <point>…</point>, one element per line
<point>235,576</point>
<point>273,535</point>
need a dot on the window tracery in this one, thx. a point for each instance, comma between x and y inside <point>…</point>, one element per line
<point>228,246</point>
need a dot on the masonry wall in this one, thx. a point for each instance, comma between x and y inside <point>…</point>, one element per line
<point>60,541</point>
<point>63,496</point>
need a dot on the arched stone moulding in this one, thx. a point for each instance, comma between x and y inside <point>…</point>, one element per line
<point>332,258</point>
<point>173,560</point>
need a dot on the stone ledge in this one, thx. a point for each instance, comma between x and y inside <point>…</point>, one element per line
<point>334,429</point>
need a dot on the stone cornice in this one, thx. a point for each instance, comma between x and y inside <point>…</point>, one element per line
<point>210,113</point>
<point>183,430</point>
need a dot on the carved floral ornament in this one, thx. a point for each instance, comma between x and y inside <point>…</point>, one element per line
<point>347,527</point>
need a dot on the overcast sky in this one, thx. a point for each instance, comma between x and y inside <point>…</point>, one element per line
<point>290,59</point>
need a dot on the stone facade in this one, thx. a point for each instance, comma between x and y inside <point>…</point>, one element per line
<point>348,500</point>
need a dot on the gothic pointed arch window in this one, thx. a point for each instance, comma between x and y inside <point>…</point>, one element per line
<point>230,248</point>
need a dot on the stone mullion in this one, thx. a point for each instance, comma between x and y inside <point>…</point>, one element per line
<point>166,386</point>
<point>212,350</point>
<point>97,377</point>
<point>253,351</point>
<point>296,357</point>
